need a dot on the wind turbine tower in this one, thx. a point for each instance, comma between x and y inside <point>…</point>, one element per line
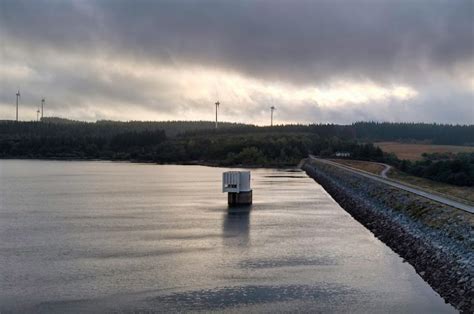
<point>217,106</point>
<point>42,108</point>
<point>17,98</point>
<point>272,108</point>
<point>37,115</point>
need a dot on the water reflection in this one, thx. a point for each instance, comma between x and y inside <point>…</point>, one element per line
<point>116,237</point>
<point>236,225</point>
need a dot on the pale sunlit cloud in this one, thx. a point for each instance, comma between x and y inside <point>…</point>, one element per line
<point>189,91</point>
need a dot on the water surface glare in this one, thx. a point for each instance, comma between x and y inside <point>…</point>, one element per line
<point>103,236</point>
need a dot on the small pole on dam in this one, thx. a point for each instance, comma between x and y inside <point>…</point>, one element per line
<point>237,185</point>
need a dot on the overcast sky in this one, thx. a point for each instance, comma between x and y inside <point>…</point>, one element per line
<point>334,61</point>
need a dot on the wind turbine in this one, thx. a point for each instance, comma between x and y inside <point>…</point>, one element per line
<point>42,108</point>
<point>37,115</point>
<point>17,98</point>
<point>272,108</point>
<point>217,106</point>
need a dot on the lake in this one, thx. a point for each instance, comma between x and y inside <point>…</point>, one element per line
<point>103,236</point>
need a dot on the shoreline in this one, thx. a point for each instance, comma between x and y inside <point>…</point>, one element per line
<point>186,163</point>
<point>427,235</point>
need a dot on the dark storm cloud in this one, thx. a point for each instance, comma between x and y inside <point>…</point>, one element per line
<point>287,40</point>
<point>427,45</point>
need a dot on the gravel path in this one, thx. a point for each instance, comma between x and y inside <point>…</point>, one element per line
<point>386,170</point>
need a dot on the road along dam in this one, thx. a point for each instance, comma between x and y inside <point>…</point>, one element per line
<point>435,238</point>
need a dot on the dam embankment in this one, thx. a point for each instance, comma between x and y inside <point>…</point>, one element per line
<point>436,239</point>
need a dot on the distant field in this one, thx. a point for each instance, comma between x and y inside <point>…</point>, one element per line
<point>414,151</point>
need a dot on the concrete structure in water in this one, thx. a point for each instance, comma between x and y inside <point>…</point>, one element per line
<point>237,185</point>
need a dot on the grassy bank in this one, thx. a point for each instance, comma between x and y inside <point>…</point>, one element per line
<point>367,166</point>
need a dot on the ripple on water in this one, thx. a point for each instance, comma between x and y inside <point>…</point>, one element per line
<point>287,262</point>
<point>229,297</point>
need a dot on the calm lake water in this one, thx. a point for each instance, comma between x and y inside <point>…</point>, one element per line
<point>103,236</point>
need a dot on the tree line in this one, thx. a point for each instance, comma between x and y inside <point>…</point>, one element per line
<point>264,147</point>
<point>457,169</point>
<point>231,144</point>
<point>360,131</point>
<point>433,133</point>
